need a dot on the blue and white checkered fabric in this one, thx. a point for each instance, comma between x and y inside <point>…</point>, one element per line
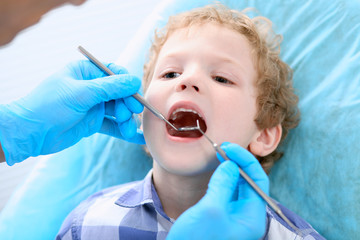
<point>131,211</point>
<point>134,211</point>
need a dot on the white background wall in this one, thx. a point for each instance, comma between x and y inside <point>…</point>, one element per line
<point>103,27</point>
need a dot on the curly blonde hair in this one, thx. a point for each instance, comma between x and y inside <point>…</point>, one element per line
<point>276,100</point>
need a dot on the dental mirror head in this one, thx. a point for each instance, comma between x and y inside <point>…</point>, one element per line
<point>183,129</point>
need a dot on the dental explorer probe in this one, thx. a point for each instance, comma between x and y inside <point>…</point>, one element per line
<point>262,194</point>
<point>136,95</point>
<point>216,146</point>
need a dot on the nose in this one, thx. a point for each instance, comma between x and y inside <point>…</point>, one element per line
<point>188,83</point>
<point>182,87</point>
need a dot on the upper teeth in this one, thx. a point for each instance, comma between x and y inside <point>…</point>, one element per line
<point>185,110</point>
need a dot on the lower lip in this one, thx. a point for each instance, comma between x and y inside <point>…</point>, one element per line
<point>182,139</point>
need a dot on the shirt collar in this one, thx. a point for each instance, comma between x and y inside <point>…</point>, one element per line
<point>139,194</point>
<point>142,193</point>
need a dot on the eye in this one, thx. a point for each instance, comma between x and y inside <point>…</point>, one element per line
<point>222,80</point>
<point>171,75</point>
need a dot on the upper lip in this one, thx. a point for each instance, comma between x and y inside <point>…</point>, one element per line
<point>186,105</point>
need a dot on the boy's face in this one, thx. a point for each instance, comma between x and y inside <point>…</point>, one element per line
<point>205,73</point>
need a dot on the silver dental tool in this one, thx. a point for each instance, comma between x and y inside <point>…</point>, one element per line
<point>136,95</point>
<point>217,148</point>
<point>262,194</point>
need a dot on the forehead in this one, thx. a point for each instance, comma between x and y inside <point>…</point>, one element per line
<point>208,36</point>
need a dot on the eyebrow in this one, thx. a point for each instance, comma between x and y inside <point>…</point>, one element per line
<point>177,56</point>
<point>235,64</point>
<point>173,55</point>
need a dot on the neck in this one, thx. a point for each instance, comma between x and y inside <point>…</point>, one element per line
<point>177,193</point>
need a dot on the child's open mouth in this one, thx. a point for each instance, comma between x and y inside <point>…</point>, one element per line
<point>183,117</point>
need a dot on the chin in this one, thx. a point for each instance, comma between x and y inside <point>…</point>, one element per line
<point>185,165</point>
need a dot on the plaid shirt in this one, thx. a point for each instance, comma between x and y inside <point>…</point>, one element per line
<point>134,211</point>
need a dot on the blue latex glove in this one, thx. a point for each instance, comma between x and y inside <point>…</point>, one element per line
<point>230,209</point>
<point>65,108</point>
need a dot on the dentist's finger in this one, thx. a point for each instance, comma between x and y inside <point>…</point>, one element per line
<point>250,165</point>
<point>106,89</point>
<point>86,70</point>
<point>223,184</point>
<point>111,127</point>
<point>122,113</point>
<point>133,105</point>
<point>128,128</point>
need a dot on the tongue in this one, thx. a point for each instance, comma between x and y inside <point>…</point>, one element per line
<point>186,119</point>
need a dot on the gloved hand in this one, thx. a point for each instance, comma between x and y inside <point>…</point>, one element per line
<point>230,209</point>
<point>65,108</point>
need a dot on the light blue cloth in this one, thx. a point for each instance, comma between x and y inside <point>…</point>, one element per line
<point>318,177</point>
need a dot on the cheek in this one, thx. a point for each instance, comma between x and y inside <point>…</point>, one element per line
<point>235,119</point>
<point>154,94</point>
<point>151,124</point>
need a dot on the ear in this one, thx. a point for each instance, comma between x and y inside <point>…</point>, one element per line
<point>266,141</point>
